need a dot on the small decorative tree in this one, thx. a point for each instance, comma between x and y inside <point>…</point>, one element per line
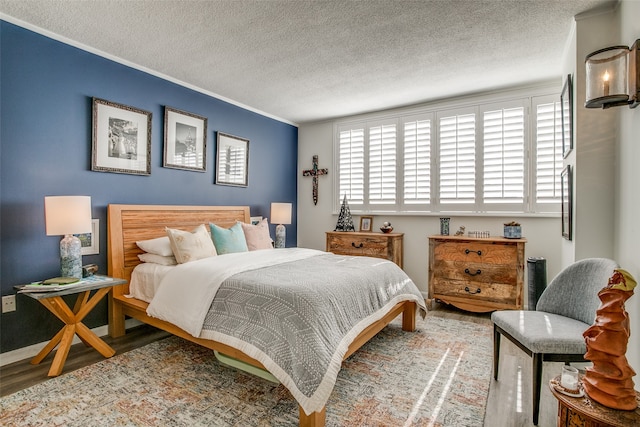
<point>345,221</point>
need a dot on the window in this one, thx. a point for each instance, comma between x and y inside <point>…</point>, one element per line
<point>548,166</point>
<point>416,175</point>
<point>382,164</point>
<point>504,163</point>
<point>351,165</point>
<point>488,157</point>
<point>457,165</point>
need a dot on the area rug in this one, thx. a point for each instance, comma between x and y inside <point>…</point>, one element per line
<point>436,376</point>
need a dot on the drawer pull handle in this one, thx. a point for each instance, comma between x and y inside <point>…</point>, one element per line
<point>467,251</point>
<point>468,291</point>
<point>357,247</point>
<point>466,270</point>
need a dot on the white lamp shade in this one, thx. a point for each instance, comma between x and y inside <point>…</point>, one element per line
<point>67,215</point>
<point>280,213</point>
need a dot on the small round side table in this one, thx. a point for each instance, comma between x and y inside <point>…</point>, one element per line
<point>584,412</point>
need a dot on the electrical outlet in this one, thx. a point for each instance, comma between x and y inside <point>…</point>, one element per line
<point>8,303</point>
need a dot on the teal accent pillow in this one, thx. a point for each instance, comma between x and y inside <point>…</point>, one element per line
<point>228,240</point>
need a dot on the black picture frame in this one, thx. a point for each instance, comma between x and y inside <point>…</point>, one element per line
<point>566,115</point>
<point>185,140</point>
<point>232,160</point>
<point>121,138</point>
<point>566,187</point>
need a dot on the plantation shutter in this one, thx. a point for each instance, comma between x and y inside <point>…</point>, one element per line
<point>351,165</point>
<point>503,160</point>
<point>382,164</point>
<point>548,149</point>
<point>457,172</point>
<point>417,162</point>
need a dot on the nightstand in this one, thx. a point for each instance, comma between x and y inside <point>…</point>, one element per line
<point>73,318</point>
<point>581,411</point>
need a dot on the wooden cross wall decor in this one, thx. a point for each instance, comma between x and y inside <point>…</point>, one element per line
<point>315,173</point>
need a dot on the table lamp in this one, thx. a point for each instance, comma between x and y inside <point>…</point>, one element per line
<point>68,215</point>
<point>280,214</point>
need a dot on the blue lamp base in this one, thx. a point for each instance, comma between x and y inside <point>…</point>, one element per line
<point>70,257</point>
<point>281,236</point>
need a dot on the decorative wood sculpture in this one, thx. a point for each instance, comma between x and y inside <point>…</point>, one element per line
<point>608,381</point>
<point>315,173</point>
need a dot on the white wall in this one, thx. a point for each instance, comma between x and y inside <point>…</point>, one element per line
<point>627,226</point>
<point>543,234</point>
<point>594,157</point>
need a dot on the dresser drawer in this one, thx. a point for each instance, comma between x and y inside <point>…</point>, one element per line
<point>377,245</point>
<point>475,271</point>
<point>473,291</point>
<point>479,252</point>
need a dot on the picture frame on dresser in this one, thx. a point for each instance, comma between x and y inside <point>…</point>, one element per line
<point>121,138</point>
<point>232,160</point>
<point>185,140</point>
<point>566,189</point>
<point>366,223</point>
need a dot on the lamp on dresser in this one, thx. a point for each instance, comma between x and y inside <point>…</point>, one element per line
<point>68,215</point>
<point>281,215</point>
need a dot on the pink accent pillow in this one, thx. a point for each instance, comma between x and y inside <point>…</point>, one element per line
<point>257,236</point>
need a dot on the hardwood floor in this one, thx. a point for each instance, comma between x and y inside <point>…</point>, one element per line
<point>508,405</point>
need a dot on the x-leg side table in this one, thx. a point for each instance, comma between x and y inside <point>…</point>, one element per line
<point>73,320</point>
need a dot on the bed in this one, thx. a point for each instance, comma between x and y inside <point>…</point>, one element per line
<point>128,224</point>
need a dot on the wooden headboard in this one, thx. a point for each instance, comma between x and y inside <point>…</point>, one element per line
<point>127,224</point>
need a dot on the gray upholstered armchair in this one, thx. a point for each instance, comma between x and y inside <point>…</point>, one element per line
<point>553,333</point>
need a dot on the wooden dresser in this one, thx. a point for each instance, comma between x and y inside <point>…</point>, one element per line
<point>378,245</point>
<point>476,274</point>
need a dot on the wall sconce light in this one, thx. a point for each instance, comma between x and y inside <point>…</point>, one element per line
<point>613,76</point>
<point>281,214</point>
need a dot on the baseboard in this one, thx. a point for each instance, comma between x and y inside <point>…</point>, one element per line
<point>30,351</point>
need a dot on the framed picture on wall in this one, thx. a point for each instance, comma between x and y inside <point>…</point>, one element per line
<point>566,111</point>
<point>185,140</point>
<point>566,187</point>
<point>121,138</point>
<point>90,242</point>
<point>233,160</point>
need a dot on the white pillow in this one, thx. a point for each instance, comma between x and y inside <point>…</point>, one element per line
<point>257,236</point>
<point>160,246</point>
<point>158,259</point>
<point>188,246</point>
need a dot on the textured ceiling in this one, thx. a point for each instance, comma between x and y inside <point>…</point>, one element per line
<point>305,61</point>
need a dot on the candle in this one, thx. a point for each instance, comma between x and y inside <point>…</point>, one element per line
<point>569,378</point>
<point>605,84</point>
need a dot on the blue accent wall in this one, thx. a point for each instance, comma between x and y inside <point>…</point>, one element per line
<point>46,91</point>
